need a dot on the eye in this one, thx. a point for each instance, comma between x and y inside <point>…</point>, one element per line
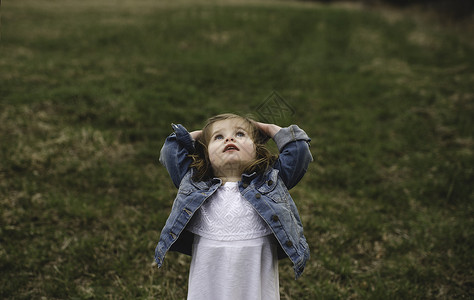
<point>218,137</point>
<point>240,134</point>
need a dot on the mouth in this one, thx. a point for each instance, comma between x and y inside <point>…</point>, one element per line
<point>230,147</point>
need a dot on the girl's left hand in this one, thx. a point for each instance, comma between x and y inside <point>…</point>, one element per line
<point>268,129</point>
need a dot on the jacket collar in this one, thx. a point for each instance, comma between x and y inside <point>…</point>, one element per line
<point>246,178</point>
<point>270,174</point>
<point>202,185</point>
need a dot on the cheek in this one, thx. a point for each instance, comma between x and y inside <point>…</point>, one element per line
<point>212,152</point>
<point>251,150</point>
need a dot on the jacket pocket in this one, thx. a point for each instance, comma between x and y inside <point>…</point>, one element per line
<point>278,194</point>
<point>185,191</point>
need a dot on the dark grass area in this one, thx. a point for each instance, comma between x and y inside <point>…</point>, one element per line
<point>88,91</point>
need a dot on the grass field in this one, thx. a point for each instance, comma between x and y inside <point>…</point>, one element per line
<point>88,90</point>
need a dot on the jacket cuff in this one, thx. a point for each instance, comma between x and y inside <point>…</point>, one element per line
<point>290,134</point>
<point>183,137</point>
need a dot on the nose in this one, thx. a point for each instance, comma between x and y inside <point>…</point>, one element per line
<point>229,139</point>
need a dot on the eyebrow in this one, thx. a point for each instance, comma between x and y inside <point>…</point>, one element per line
<point>241,128</point>
<point>215,132</point>
<point>235,128</point>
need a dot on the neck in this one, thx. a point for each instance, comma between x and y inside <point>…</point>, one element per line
<point>229,179</point>
<point>229,174</point>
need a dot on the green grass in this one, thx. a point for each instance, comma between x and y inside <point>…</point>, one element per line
<point>88,90</point>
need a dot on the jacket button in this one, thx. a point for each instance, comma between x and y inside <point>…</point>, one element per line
<point>275,218</point>
<point>245,185</point>
<point>258,196</point>
<point>289,244</point>
<point>270,182</point>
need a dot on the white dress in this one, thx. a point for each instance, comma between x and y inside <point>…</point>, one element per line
<point>234,251</point>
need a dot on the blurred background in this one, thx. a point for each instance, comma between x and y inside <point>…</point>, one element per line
<point>88,90</point>
<point>448,9</point>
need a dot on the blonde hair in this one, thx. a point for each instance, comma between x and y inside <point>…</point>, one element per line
<point>201,163</point>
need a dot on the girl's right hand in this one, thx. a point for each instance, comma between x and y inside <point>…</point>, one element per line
<point>195,135</point>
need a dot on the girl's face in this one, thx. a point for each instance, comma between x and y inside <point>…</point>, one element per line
<point>230,146</point>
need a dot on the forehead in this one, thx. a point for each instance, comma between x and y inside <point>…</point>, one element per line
<point>230,124</point>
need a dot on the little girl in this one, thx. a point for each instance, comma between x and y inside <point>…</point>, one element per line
<point>233,212</point>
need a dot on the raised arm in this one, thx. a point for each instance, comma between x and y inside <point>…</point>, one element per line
<point>175,151</point>
<point>295,156</point>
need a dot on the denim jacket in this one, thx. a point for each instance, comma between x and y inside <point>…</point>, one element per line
<point>267,193</point>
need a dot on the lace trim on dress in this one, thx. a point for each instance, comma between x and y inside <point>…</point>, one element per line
<point>228,216</point>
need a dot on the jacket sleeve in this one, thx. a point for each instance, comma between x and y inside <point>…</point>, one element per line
<point>174,153</point>
<point>295,156</point>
